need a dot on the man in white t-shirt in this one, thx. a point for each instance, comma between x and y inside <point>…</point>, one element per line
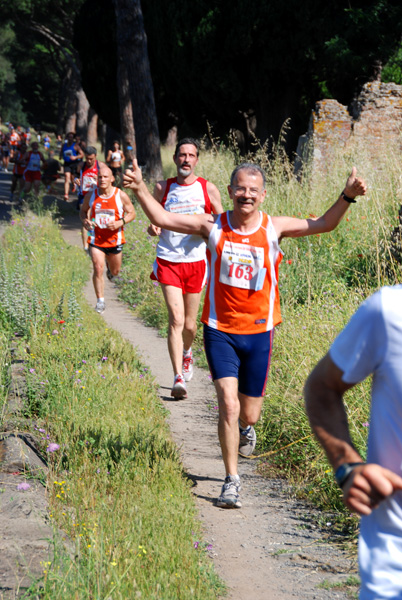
<point>371,343</point>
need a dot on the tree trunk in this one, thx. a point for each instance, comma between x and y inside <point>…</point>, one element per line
<point>71,104</point>
<point>132,51</point>
<point>92,136</point>
<point>126,113</point>
<point>61,108</point>
<point>82,114</point>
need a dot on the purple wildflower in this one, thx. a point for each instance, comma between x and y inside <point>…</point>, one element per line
<point>52,447</point>
<point>23,487</point>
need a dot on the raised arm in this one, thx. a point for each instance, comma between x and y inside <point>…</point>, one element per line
<point>192,224</point>
<point>158,193</point>
<point>367,484</point>
<point>292,227</point>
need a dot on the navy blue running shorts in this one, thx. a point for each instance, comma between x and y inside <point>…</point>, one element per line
<point>246,357</point>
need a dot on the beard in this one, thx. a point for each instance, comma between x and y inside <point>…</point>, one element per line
<point>184,172</point>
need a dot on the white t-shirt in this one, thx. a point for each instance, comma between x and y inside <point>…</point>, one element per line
<point>372,343</point>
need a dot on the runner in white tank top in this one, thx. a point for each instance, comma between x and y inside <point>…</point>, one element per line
<point>180,266</point>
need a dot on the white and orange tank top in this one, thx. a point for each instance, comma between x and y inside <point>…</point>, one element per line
<point>89,178</point>
<point>188,199</point>
<point>14,138</point>
<point>102,212</point>
<point>242,293</point>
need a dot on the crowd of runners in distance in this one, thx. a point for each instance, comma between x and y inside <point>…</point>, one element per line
<point>34,157</point>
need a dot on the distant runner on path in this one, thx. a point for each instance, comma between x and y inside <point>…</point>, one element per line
<point>72,154</point>
<point>20,163</point>
<point>87,181</point>
<point>241,305</point>
<point>32,174</point>
<point>104,212</point>
<point>180,265</point>
<point>114,160</point>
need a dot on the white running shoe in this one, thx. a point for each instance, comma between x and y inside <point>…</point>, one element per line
<point>229,497</point>
<point>179,388</point>
<point>109,275</point>
<point>248,440</point>
<point>100,306</point>
<point>188,366</point>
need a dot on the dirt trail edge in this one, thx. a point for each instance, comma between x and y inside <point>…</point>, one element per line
<point>270,548</point>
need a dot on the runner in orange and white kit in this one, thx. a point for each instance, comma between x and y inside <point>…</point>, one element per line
<point>241,306</point>
<point>32,173</point>
<point>87,181</point>
<point>14,142</point>
<point>180,265</point>
<point>104,212</point>
<point>20,163</point>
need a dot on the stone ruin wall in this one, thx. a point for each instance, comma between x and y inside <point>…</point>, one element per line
<point>373,120</point>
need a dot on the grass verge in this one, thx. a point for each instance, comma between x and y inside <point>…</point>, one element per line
<point>116,487</point>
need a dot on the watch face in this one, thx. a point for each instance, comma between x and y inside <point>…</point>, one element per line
<point>343,472</point>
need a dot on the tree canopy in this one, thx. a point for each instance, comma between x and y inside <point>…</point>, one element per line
<point>269,59</point>
<point>237,64</point>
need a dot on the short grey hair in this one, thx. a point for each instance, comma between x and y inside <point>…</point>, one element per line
<point>250,168</point>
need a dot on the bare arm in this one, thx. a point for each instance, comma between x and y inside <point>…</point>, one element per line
<point>80,154</point>
<point>369,483</point>
<point>192,224</point>
<point>77,180</point>
<point>84,210</point>
<point>158,193</point>
<point>292,227</point>
<point>215,198</point>
<point>109,157</point>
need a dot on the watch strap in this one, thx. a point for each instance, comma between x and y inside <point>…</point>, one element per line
<point>350,200</point>
<point>344,471</point>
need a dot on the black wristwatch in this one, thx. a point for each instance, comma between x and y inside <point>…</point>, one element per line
<point>350,200</point>
<point>344,471</point>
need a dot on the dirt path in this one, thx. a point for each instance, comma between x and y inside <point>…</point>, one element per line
<point>271,548</point>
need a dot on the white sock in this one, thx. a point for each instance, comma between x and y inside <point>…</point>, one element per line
<point>187,352</point>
